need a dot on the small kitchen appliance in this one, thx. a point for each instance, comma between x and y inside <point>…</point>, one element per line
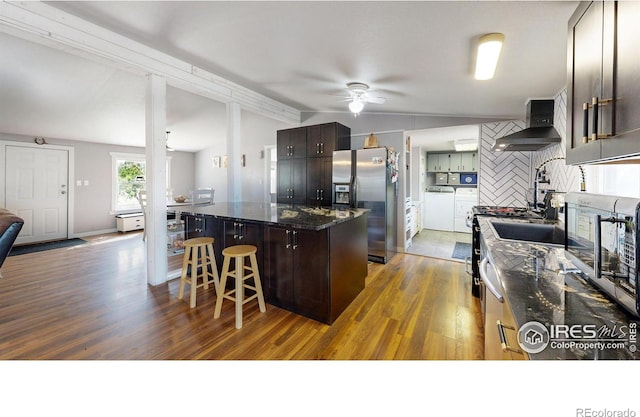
<point>602,240</point>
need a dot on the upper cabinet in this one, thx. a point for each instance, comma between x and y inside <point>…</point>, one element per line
<point>305,156</point>
<point>452,162</point>
<point>325,138</point>
<point>292,143</point>
<point>468,162</point>
<point>603,86</point>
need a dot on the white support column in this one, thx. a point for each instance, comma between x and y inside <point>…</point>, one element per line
<point>234,140</point>
<point>156,155</point>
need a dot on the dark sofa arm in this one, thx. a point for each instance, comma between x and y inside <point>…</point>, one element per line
<point>10,226</point>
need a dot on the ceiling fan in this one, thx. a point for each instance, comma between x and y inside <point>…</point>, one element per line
<point>359,94</point>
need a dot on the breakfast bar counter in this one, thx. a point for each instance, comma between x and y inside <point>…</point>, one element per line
<point>312,260</point>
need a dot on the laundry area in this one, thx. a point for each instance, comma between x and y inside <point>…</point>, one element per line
<point>445,233</point>
<point>448,174</point>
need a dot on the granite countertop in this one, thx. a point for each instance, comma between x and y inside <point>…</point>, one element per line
<point>537,282</point>
<point>301,217</point>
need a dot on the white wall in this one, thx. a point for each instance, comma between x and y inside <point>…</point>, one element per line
<point>256,132</point>
<point>92,203</point>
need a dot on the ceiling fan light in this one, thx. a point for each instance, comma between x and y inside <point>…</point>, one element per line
<point>356,106</point>
<point>489,48</point>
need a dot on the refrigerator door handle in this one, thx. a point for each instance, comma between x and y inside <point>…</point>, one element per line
<point>354,193</point>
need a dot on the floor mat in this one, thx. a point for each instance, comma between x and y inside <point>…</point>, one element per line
<point>40,247</point>
<point>461,250</point>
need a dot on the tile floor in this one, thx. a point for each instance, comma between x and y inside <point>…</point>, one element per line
<point>437,244</point>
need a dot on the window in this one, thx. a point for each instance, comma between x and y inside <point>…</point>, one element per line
<point>128,177</point>
<point>617,179</point>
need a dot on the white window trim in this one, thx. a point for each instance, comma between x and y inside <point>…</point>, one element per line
<point>115,156</point>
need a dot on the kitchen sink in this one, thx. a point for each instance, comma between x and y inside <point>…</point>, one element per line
<point>547,234</point>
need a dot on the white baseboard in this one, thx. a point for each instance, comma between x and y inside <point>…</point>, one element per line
<point>94,232</point>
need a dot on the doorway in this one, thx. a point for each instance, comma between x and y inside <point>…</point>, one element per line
<point>441,213</point>
<point>36,188</point>
<point>270,173</point>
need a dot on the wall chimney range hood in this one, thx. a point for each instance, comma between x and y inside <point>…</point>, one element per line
<point>538,134</point>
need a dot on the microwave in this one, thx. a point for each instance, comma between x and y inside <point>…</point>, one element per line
<point>602,241</point>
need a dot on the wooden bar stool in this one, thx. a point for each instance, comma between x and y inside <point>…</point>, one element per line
<point>239,253</point>
<point>198,262</point>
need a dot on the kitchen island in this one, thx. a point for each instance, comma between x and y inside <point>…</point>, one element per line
<point>312,261</point>
<point>541,285</point>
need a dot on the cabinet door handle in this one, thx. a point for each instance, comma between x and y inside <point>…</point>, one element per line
<point>596,103</point>
<point>321,147</point>
<point>585,123</point>
<point>503,338</point>
<point>241,230</point>
<point>321,194</point>
<point>288,245</point>
<point>594,132</point>
<point>295,243</point>
<point>235,230</point>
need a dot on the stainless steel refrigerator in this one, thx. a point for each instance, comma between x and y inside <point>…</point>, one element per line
<point>371,177</point>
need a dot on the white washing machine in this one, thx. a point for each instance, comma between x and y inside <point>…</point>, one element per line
<point>465,199</point>
<point>439,207</point>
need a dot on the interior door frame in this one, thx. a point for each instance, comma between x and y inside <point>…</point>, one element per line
<point>70,173</point>
<point>268,150</point>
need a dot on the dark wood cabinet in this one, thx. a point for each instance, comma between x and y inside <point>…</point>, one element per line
<point>292,143</point>
<point>308,182</point>
<point>325,138</point>
<point>298,277</point>
<point>205,226</point>
<point>279,266</point>
<point>237,232</point>
<point>603,93</point>
<point>316,273</point>
<point>319,181</point>
<point>198,225</point>
<point>292,181</point>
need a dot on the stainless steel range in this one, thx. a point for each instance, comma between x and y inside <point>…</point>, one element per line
<point>476,250</point>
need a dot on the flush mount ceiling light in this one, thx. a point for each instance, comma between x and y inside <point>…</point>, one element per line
<point>466,145</point>
<point>489,48</point>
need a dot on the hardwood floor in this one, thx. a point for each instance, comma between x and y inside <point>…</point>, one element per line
<point>93,302</point>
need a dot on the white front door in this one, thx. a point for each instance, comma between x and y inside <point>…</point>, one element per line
<point>37,191</point>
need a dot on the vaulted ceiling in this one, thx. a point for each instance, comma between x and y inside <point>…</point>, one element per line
<point>419,55</point>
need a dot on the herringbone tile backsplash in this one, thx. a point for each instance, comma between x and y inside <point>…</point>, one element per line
<point>505,177</point>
